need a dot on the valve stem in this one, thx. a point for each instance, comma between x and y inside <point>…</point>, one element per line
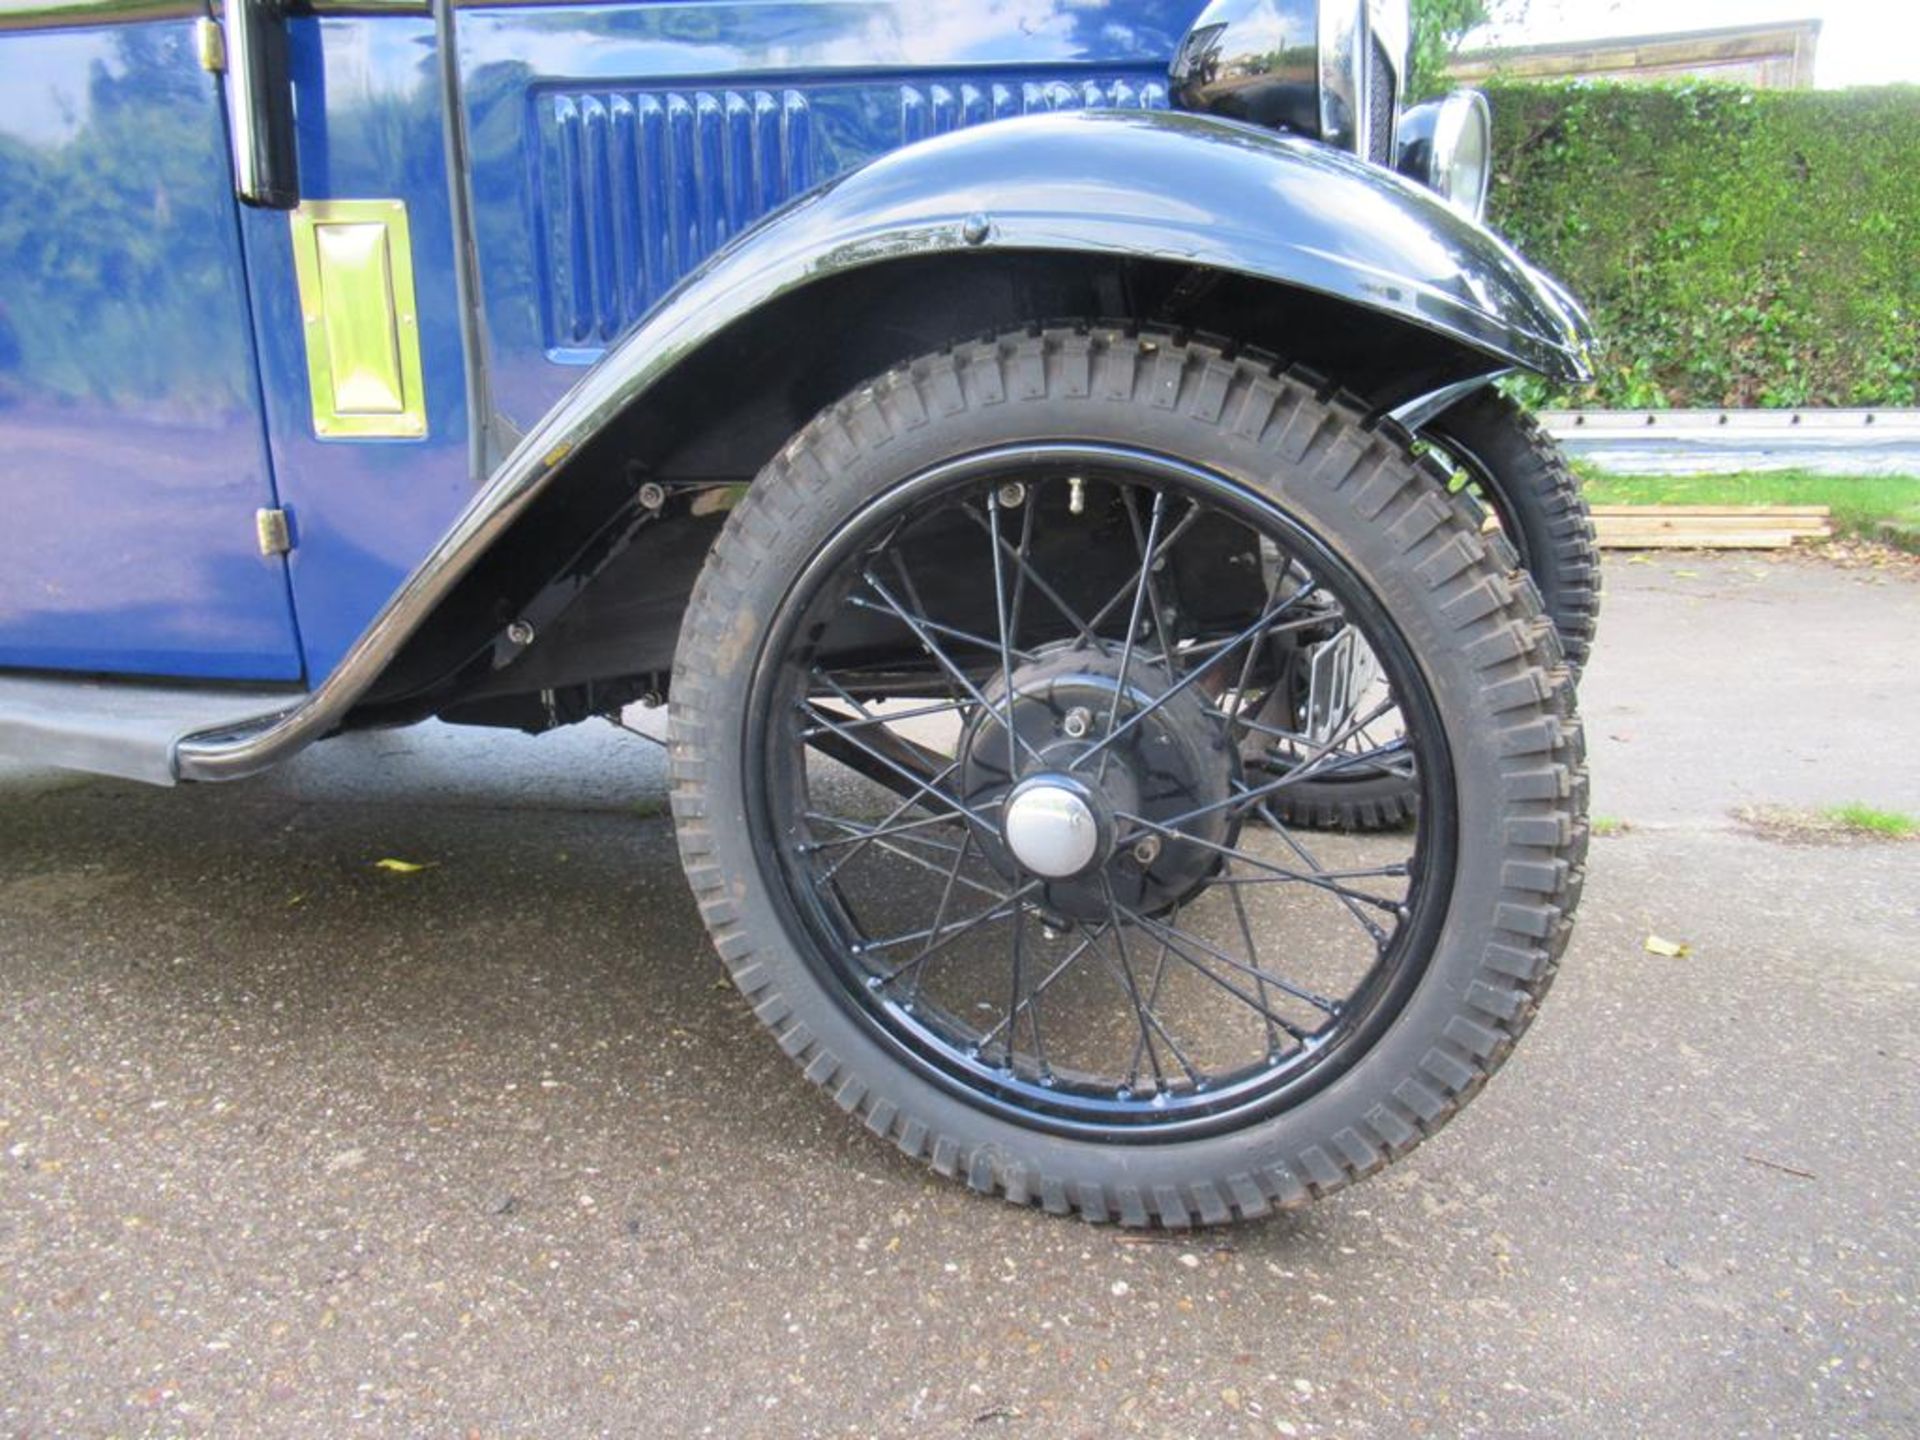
<point>1076,496</point>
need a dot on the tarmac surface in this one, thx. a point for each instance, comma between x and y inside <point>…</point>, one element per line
<point>291,1144</point>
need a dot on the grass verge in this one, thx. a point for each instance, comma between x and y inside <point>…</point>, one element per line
<point>1830,825</point>
<point>1865,820</point>
<point>1867,507</point>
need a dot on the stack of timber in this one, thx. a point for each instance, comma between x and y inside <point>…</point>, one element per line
<point>1709,527</point>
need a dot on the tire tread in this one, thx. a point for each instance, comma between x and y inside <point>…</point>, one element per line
<point>1299,418</point>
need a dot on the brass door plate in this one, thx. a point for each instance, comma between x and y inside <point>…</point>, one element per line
<point>353,260</point>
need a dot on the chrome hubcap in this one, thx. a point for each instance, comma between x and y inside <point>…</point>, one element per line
<point>1051,829</point>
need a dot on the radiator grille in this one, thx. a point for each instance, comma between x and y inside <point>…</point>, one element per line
<point>636,187</point>
<point>1381,102</point>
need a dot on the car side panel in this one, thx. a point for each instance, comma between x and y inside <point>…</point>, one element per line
<point>1167,186</point>
<point>131,453</point>
<point>368,96</point>
<point>616,146</point>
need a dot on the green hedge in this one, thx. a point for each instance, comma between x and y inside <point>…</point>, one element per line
<point>1735,247</point>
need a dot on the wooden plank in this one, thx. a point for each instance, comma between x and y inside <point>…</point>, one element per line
<point>1656,517</point>
<point>1791,512</point>
<point>1621,532</point>
<point>1738,522</point>
<point>1704,528</point>
<point>1709,527</point>
<point>1707,522</point>
<point>1701,540</point>
<point>1704,525</point>
<point>1624,537</point>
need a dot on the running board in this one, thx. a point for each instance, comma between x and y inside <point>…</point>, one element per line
<point>127,728</point>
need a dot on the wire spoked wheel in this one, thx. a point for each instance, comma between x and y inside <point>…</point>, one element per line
<point>978,776</point>
<point>1516,482</point>
<point>1026,805</point>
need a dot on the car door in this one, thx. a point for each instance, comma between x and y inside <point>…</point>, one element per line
<point>133,464</point>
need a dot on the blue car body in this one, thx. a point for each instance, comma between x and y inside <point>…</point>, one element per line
<point>153,390</point>
<point>596,195</point>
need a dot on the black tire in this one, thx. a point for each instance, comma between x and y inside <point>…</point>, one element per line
<point>1524,476</point>
<point>1513,467</point>
<point>1512,750</point>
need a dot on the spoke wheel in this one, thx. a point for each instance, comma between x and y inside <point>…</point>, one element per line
<point>977,779</point>
<point>1497,455</point>
<point>1055,886</point>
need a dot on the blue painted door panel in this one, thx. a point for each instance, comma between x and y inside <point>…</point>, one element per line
<point>616,145</point>
<point>371,127</point>
<point>131,453</point>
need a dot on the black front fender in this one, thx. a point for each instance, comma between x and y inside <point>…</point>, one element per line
<point>1170,186</point>
<point>1164,186</point>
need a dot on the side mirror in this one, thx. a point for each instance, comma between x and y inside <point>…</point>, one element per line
<point>266,162</point>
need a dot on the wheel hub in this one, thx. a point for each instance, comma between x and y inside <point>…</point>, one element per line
<point>1052,828</point>
<point>1079,813</point>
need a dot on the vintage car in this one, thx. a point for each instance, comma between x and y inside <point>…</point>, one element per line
<point>1116,640</point>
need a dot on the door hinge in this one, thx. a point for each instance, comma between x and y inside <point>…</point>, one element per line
<point>275,534</point>
<point>210,44</point>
